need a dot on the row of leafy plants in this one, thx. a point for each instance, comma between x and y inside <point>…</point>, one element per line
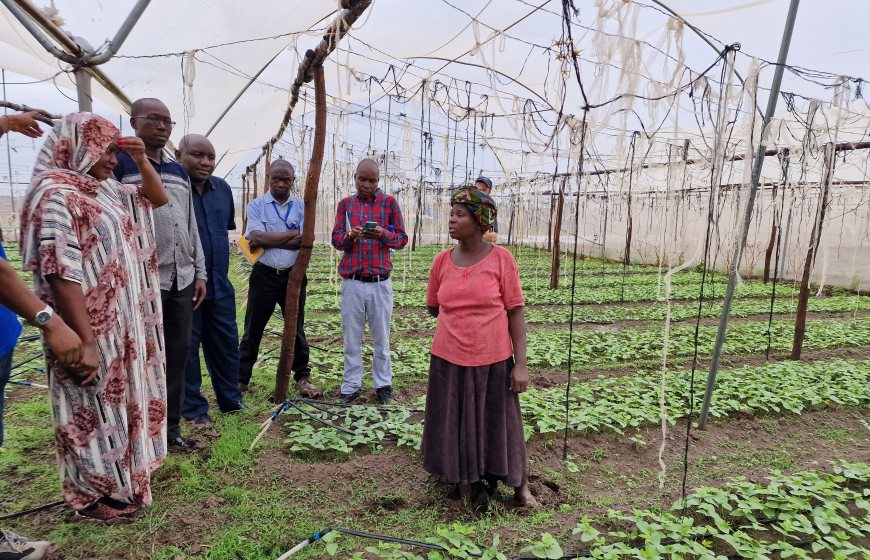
<point>328,298</point>
<point>682,311</point>
<point>329,324</point>
<point>535,261</point>
<point>803,516</point>
<point>606,403</point>
<point>605,348</point>
<point>532,284</point>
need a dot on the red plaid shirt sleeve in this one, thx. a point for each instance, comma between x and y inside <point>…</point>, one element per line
<point>368,257</point>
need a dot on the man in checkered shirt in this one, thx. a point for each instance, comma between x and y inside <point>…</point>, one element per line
<point>367,225</point>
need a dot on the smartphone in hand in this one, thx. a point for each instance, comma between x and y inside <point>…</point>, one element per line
<point>370,225</point>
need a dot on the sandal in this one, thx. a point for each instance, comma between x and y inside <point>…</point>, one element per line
<point>101,512</point>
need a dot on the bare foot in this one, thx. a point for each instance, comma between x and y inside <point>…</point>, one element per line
<point>524,498</point>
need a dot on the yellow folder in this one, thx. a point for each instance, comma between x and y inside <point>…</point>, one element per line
<point>251,255</point>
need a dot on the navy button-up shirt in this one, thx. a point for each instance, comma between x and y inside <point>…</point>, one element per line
<point>215,215</point>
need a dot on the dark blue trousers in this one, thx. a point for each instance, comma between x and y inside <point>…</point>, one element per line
<point>214,325</point>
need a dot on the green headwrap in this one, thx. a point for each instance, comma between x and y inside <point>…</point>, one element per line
<point>481,205</point>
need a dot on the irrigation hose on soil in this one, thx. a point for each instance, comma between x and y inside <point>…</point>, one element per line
<point>31,510</point>
<point>429,546</point>
<point>292,403</point>
<point>264,427</point>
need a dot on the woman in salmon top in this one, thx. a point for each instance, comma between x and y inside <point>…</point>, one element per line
<point>473,430</point>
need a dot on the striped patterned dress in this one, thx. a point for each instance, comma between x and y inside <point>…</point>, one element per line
<point>110,435</point>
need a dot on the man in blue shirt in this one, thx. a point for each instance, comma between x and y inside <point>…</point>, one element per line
<point>214,322</point>
<point>275,224</point>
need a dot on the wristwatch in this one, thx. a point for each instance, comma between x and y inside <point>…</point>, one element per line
<point>42,317</point>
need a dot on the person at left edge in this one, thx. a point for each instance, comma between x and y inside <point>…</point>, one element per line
<point>275,224</point>
<point>179,252</point>
<point>214,323</point>
<point>64,344</point>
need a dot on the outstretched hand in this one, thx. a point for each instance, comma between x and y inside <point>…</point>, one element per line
<point>23,123</point>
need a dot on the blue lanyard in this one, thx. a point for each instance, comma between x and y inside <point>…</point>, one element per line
<point>286,214</point>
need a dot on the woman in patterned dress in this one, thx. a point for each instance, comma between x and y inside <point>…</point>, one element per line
<point>89,241</point>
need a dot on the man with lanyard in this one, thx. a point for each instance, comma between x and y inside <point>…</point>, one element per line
<point>62,343</point>
<point>367,225</point>
<point>214,323</point>
<point>484,184</point>
<point>275,224</point>
<point>179,253</point>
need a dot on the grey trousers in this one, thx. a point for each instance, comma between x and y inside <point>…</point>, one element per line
<point>361,301</point>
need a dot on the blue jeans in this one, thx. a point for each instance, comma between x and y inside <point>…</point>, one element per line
<point>5,372</point>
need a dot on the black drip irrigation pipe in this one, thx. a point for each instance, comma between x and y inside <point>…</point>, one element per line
<point>429,546</point>
<point>321,420</point>
<point>30,511</point>
<point>342,405</point>
<point>27,361</point>
<point>292,403</point>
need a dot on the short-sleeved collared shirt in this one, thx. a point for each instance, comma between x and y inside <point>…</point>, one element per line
<point>215,215</point>
<point>179,252</point>
<point>10,327</point>
<point>267,214</point>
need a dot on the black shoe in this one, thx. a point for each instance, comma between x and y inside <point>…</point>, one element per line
<point>385,394</point>
<point>347,399</point>
<point>203,422</point>
<point>239,407</point>
<point>181,444</point>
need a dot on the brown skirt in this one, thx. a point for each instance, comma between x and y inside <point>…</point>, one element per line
<point>473,428</point>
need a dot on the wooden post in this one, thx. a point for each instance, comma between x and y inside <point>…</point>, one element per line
<point>774,223</point>
<point>630,220</point>
<point>244,204</point>
<point>800,323</point>
<point>557,234</point>
<point>550,224</point>
<point>418,218</point>
<point>297,273</point>
<point>511,221</point>
<point>267,167</point>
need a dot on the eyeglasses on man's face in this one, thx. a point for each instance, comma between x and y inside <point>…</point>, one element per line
<point>282,179</point>
<point>155,120</point>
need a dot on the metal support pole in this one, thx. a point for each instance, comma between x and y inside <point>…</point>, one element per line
<point>38,26</point>
<point>111,49</point>
<point>747,218</point>
<point>83,89</point>
<point>31,26</point>
<point>8,151</point>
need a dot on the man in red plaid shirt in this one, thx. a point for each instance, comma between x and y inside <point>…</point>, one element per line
<point>367,225</point>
